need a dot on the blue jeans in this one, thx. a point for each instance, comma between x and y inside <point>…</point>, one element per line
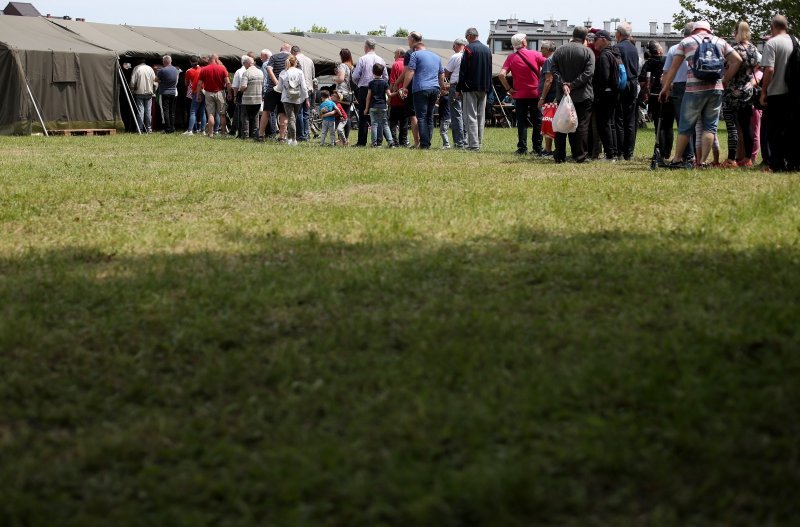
<point>197,112</point>
<point>424,106</point>
<point>304,122</point>
<point>144,108</point>
<point>456,121</point>
<point>701,106</point>
<point>380,124</point>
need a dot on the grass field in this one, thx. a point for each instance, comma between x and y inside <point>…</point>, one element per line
<point>198,332</point>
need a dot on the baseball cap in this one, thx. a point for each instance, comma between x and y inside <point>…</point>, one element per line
<point>602,33</point>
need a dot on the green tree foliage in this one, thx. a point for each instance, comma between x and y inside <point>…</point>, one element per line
<point>318,29</point>
<point>723,15</point>
<point>375,33</point>
<point>342,31</point>
<point>401,32</point>
<point>250,23</point>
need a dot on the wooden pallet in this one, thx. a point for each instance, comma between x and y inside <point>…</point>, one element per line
<point>84,131</point>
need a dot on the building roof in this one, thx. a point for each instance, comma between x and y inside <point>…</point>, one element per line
<point>21,9</point>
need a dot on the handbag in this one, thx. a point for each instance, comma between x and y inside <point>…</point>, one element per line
<point>548,112</point>
<point>565,120</point>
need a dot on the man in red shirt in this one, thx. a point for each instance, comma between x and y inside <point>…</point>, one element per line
<point>525,66</point>
<point>214,82</point>
<point>397,117</point>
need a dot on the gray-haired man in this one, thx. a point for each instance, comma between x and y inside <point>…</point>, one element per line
<point>362,75</point>
<point>474,83</point>
<point>451,71</point>
<point>168,90</point>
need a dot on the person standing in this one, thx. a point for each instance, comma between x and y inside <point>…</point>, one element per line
<point>525,66</point>
<point>250,92</point>
<point>168,90</point>
<point>627,109</point>
<point>213,83</point>
<point>397,119</point>
<point>236,85</point>
<point>474,82</point>
<point>451,72</point>
<point>780,105</point>
<point>678,91</point>
<point>737,103</point>
<point>377,106</point>
<point>662,114</point>
<point>294,95</point>
<point>703,99</point>
<point>427,74</point>
<point>344,86</point>
<point>362,76</point>
<point>306,65</point>
<point>606,93</point>
<point>272,99</point>
<point>573,63</point>
<point>549,88</point>
<point>143,80</point>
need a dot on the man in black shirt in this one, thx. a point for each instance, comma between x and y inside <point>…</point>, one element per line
<point>626,111</point>
<point>474,82</point>
<point>606,91</point>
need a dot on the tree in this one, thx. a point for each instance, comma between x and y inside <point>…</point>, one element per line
<point>250,23</point>
<point>342,32</point>
<point>318,29</point>
<point>401,32</point>
<point>723,15</point>
<point>295,29</point>
<point>376,33</point>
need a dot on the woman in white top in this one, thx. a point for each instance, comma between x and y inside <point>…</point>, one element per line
<point>292,86</point>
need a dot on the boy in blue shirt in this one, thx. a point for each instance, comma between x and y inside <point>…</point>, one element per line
<point>327,110</point>
<point>377,107</point>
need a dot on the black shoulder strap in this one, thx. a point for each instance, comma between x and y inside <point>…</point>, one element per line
<point>531,66</point>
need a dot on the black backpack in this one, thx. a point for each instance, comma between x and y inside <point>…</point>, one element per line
<point>619,75</point>
<point>793,68</point>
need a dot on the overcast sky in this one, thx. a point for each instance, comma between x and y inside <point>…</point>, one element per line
<point>436,20</point>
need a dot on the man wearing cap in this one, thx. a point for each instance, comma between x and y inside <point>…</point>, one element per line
<point>782,133</point>
<point>703,99</point>
<point>573,63</point>
<point>451,71</point>
<point>525,66</point>
<point>678,90</point>
<point>627,110</point>
<point>474,82</point>
<point>606,93</point>
<point>362,76</point>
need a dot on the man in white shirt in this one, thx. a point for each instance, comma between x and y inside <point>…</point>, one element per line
<point>362,76</point>
<point>237,96</point>
<point>451,71</point>
<point>143,81</point>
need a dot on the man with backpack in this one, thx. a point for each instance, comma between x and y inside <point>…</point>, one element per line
<point>525,66</point>
<point>627,110</point>
<point>781,63</point>
<point>606,92</point>
<point>707,56</point>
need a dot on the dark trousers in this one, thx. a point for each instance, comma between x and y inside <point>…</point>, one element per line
<point>168,104</point>
<point>528,109</point>
<point>363,120</point>
<point>399,125</point>
<point>248,120</point>
<point>678,91</point>
<point>626,122</point>
<point>425,105</point>
<point>782,135</point>
<point>578,140</point>
<point>604,113</point>
<point>663,114</point>
<point>744,117</point>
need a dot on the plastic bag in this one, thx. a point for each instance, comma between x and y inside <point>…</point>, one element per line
<point>548,111</point>
<point>565,121</point>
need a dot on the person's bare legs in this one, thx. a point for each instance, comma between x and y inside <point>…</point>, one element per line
<point>262,126</point>
<point>210,124</point>
<point>680,147</point>
<point>415,129</point>
<point>283,122</point>
<point>706,144</point>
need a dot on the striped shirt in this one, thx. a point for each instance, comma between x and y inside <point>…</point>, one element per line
<point>277,63</point>
<point>687,48</point>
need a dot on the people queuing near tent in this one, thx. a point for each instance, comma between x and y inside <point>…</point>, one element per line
<point>697,82</point>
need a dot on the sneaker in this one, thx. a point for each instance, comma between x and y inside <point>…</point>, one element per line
<point>188,132</point>
<point>521,152</point>
<point>729,163</point>
<point>745,164</point>
<point>446,147</point>
<point>546,153</point>
<point>675,165</point>
<point>606,160</point>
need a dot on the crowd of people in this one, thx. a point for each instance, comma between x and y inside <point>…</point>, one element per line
<point>693,85</point>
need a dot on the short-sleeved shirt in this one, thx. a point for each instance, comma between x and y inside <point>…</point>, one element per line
<point>327,106</point>
<point>739,91</point>
<point>655,67</point>
<point>683,71</point>
<point>379,87</point>
<point>168,80</point>
<point>344,86</point>
<point>237,78</point>
<point>454,66</point>
<point>276,63</point>
<point>251,84</point>
<point>214,77</point>
<point>687,48</point>
<point>526,79</point>
<point>776,55</point>
<point>555,87</point>
<point>192,76</point>
<point>427,66</point>
<point>397,71</point>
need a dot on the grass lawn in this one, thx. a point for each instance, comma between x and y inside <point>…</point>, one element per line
<point>198,332</point>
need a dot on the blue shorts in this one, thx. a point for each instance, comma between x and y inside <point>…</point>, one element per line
<point>703,106</point>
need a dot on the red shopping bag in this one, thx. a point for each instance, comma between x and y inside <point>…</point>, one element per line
<point>548,111</point>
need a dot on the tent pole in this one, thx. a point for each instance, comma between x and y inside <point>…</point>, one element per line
<point>128,97</point>
<point>36,107</point>
<point>497,95</point>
